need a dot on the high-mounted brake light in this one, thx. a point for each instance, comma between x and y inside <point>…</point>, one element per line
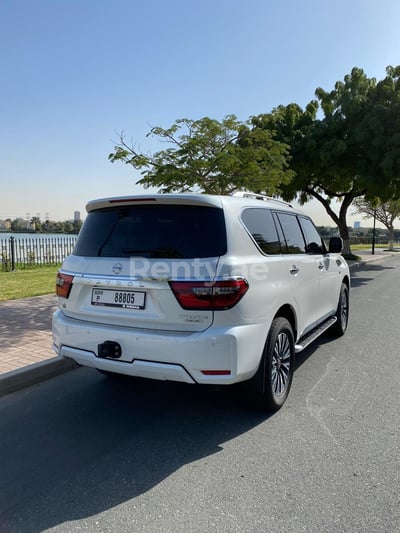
<point>131,200</point>
<point>63,284</point>
<point>209,296</point>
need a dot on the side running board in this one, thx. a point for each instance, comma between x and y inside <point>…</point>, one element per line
<point>312,335</point>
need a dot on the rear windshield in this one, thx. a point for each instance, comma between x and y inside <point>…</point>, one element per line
<point>163,231</point>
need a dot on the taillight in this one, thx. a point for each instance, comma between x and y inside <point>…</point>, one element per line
<point>63,284</point>
<point>205,295</point>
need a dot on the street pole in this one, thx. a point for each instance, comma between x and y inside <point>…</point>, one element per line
<point>12,247</point>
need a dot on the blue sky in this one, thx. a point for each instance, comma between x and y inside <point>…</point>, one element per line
<point>74,73</point>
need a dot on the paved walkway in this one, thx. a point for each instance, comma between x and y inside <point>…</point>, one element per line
<point>25,331</point>
<point>25,327</point>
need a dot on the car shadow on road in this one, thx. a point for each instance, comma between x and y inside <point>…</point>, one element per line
<point>84,443</point>
<point>358,277</point>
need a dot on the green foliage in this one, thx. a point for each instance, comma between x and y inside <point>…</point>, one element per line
<point>360,135</point>
<point>210,156</point>
<point>380,134</point>
<point>294,127</point>
<point>354,150</point>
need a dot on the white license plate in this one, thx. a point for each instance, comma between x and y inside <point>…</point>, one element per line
<point>124,299</point>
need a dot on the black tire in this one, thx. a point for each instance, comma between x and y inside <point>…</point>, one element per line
<point>273,380</point>
<point>342,312</point>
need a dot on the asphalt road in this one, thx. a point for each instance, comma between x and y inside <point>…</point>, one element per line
<point>83,453</point>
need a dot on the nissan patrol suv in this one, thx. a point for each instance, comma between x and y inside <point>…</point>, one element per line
<point>199,289</point>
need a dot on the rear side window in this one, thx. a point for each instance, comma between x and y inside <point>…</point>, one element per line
<point>314,243</point>
<point>260,225</point>
<point>153,231</point>
<point>292,232</point>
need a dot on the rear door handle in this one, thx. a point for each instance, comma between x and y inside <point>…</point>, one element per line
<point>321,266</point>
<point>294,270</point>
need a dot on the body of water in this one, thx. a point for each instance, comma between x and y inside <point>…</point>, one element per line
<point>26,249</point>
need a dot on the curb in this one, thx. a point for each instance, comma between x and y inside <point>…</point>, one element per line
<point>354,265</point>
<point>32,374</point>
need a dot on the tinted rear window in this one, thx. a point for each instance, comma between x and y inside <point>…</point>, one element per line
<point>158,231</point>
<point>260,224</point>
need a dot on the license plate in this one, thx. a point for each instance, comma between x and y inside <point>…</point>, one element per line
<point>124,299</point>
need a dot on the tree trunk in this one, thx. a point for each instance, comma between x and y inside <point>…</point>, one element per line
<point>391,238</point>
<point>341,220</point>
<point>344,233</point>
<point>343,228</point>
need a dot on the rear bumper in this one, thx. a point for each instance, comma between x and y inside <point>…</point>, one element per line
<point>164,355</point>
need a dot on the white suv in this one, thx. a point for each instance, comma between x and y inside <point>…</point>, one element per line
<point>200,289</point>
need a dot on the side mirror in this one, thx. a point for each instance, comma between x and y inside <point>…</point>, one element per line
<point>335,245</point>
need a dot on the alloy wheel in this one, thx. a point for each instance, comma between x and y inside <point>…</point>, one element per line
<point>281,357</point>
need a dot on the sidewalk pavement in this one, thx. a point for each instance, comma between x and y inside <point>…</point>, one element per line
<point>26,355</point>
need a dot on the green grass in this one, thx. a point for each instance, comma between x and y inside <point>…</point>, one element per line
<point>27,282</point>
<point>355,247</point>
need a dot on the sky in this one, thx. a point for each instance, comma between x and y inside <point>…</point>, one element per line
<point>76,73</point>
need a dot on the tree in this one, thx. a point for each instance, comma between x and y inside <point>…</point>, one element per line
<point>384,212</point>
<point>35,224</point>
<point>380,135</point>
<point>343,155</point>
<point>205,155</point>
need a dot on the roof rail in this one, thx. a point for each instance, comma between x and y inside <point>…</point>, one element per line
<point>264,197</point>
